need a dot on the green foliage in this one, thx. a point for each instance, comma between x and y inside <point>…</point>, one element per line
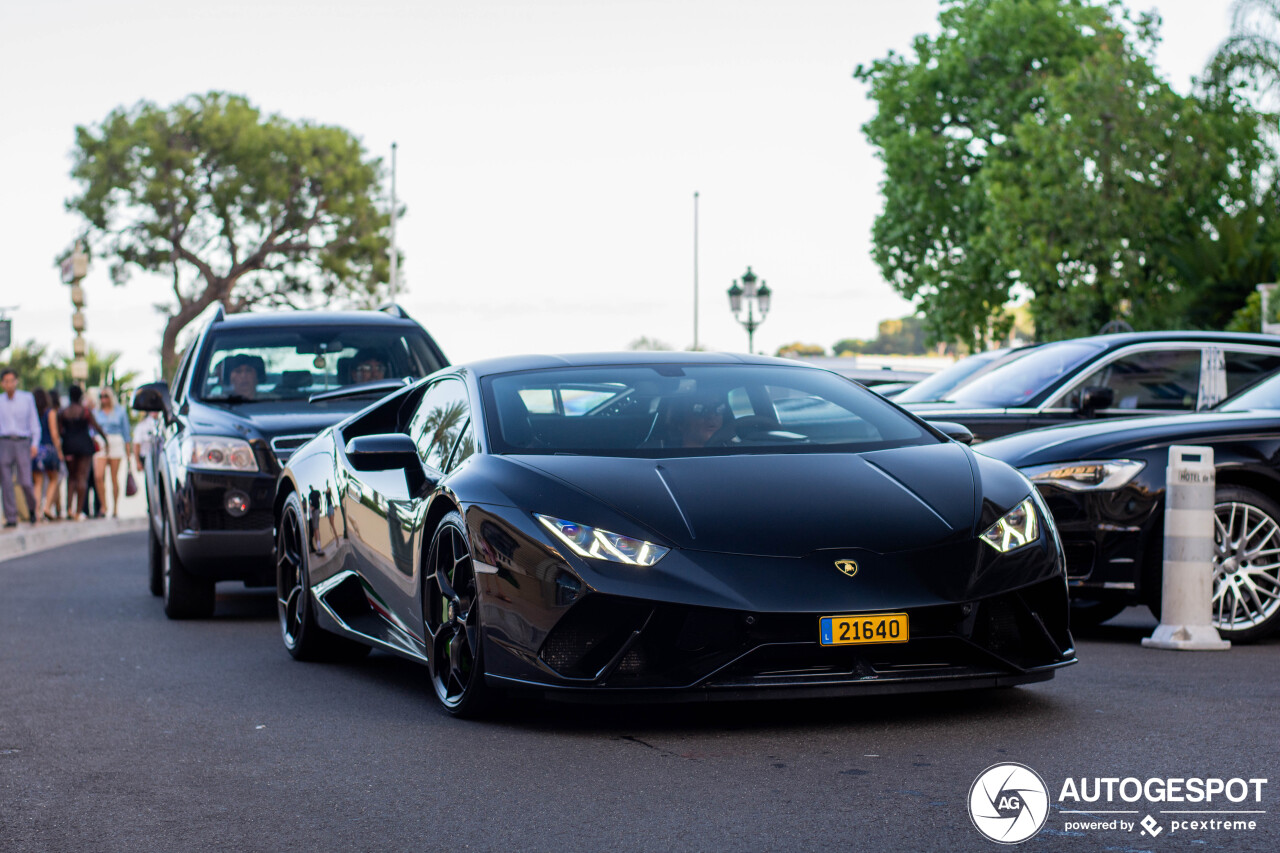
<point>648,344</point>
<point>798,350</point>
<point>905,336</point>
<point>239,208</point>
<point>1031,146</point>
<point>1220,271</point>
<point>33,364</point>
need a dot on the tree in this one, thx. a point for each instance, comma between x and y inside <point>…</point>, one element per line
<point>33,364</point>
<point>234,206</point>
<point>1251,54</point>
<point>904,336</point>
<point>644,343</point>
<point>799,350</point>
<point>1023,151</point>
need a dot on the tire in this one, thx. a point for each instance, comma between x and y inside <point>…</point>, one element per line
<point>303,637</point>
<point>155,563</point>
<point>185,595</point>
<point>1246,564</point>
<point>1090,613</point>
<point>451,617</point>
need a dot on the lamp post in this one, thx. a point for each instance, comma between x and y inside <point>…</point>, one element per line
<point>756,298</point>
<point>74,267</point>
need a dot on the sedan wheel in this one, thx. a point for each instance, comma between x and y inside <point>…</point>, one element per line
<point>303,638</point>
<point>452,618</point>
<point>1246,565</point>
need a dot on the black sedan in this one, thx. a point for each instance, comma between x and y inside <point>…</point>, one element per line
<point>649,526</point>
<point>1105,377</point>
<point>1104,483</point>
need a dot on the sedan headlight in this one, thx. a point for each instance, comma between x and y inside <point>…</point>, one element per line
<point>1018,527</point>
<point>219,453</point>
<point>1087,476</point>
<point>601,544</point>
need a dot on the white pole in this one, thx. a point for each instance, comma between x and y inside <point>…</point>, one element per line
<point>695,270</point>
<point>395,259</point>
<point>1186,601</point>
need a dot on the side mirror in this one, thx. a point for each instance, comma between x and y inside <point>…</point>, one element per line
<point>1095,397</point>
<point>953,431</point>
<point>153,397</point>
<point>385,452</point>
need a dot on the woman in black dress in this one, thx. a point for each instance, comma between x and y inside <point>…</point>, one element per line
<point>74,423</point>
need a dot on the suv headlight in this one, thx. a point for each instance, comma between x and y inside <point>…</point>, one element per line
<point>218,453</point>
<point>600,544</point>
<point>1087,476</point>
<point>1018,527</point>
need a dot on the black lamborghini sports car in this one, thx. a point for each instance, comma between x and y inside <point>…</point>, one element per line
<point>648,526</point>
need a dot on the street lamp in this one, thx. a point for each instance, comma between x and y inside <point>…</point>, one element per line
<point>756,298</point>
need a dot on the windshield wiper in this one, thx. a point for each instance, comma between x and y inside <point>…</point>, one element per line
<point>229,398</point>
<point>378,386</point>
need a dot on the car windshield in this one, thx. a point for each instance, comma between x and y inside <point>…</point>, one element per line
<point>932,388</point>
<point>292,363</point>
<point>690,410</point>
<point>1022,380</point>
<point>1264,395</point>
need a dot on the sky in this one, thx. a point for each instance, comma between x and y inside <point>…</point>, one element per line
<point>548,153</point>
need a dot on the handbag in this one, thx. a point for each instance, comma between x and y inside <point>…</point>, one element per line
<point>130,485</point>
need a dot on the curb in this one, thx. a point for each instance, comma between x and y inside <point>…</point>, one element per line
<point>53,534</point>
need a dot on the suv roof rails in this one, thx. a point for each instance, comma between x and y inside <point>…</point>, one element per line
<point>395,311</point>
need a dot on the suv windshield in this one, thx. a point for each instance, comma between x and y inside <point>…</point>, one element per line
<point>1018,382</point>
<point>690,410</point>
<point>292,363</point>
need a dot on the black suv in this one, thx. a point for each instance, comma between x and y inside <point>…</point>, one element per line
<point>248,392</point>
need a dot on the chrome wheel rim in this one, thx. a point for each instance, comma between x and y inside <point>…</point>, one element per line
<point>452,619</point>
<point>1246,566</point>
<point>290,579</point>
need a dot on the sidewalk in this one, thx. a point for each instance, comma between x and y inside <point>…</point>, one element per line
<point>28,539</point>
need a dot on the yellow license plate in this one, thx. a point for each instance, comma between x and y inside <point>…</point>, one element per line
<point>862,629</point>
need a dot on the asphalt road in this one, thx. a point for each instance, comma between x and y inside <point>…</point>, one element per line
<point>120,730</point>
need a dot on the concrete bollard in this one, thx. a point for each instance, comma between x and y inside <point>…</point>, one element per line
<point>1187,596</point>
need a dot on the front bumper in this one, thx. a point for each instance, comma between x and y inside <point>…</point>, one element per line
<point>217,545</point>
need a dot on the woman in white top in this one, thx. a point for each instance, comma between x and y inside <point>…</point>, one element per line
<point>114,421</point>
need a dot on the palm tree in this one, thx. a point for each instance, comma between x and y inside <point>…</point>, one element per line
<point>1251,54</point>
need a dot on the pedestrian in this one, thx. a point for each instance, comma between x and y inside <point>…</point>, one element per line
<point>114,422</point>
<point>75,423</point>
<point>143,437</point>
<point>95,485</point>
<point>59,498</point>
<point>19,444</point>
<point>47,466</point>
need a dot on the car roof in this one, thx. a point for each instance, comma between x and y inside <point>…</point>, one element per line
<point>276,319</point>
<point>515,363</point>
<point>1121,339</point>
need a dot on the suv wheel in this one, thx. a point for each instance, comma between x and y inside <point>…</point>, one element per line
<point>185,595</point>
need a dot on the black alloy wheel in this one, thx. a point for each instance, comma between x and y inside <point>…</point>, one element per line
<point>185,595</point>
<point>155,562</point>
<point>303,638</point>
<point>452,620</point>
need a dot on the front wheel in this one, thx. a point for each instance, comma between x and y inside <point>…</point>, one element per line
<point>303,638</point>
<point>186,596</point>
<point>155,563</point>
<point>452,618</point>
<point>1246,564</point>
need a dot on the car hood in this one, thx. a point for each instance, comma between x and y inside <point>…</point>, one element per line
<point>1099,439</point>
<point>268,420</point>
<point>785,505</point>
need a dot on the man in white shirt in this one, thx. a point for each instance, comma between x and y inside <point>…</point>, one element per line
<point>19,443</point>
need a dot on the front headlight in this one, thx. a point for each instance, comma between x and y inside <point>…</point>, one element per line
<point>1093,475</point>
<point>218,453</point>
<point>1017,528</point>
<point>601,544</point>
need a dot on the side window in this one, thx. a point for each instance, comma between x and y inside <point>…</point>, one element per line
<point>1246,368</point>
<point>465,447</point>
<point>1154,379</point>
<point>180,375</point>
<point>441,416</point>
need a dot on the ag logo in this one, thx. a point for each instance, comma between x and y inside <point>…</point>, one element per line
<point>849,567</point>
<point>1008,803</point>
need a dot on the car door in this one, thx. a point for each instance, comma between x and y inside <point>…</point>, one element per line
<point>385,517</point>
<point>1150,379</point>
